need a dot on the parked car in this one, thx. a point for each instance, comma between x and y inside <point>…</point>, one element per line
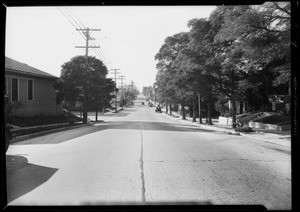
<point>150,104</point>
<point>158,109</point>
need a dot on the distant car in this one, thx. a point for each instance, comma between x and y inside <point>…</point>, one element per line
<point>158,109</point>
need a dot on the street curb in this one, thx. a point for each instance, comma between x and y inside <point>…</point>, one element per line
<point>228,131</point>
<point>33,135</point>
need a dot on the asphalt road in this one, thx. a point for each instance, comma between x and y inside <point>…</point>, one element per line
<point>141,156</point>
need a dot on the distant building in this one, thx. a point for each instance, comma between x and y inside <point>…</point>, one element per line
<point>140,99</point>
<point>30,90</point>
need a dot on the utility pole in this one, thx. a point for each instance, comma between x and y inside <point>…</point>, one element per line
<point>115,71</point>
<point>86,33</point>
<point>122,90</point>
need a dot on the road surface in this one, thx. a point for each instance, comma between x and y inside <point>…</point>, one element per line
<point>141,156</point>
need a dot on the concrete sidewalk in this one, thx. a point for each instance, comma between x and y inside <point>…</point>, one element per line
<point>281,138</point>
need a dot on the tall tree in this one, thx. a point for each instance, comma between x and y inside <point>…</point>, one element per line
<point>257,50</point>
<point>74,76</point>
<point>166,66</point>
<point>130,93</point>
<point>200,63</point>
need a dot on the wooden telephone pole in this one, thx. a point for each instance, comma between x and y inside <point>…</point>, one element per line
<point>122,94</point>
<point>115,71</point>
<point>87,35</point>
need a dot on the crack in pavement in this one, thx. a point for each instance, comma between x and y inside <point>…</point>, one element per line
<point>142,166</point>
<point>220,160</point>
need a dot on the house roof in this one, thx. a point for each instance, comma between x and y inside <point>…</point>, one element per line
<point>18,67</point>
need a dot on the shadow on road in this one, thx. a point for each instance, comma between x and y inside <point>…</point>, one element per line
<point>23,177</point>
<point>125,125</point>
<point>155,204</point>
<point>156,126</point>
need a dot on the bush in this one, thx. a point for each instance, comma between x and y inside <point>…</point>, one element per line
<point>67,117</point>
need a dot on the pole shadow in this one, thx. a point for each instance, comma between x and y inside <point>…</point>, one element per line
<point>23,177</point>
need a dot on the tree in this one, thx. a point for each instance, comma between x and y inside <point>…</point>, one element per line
<point>58,85</point>
<point>255,50</point>
<point>240,51</point>
<point>100,94</point>
<point>164,90</point>
<point>75,77</point>
<point>130,93</point>
<point>148,91</point>
<point>167,67</point>
<point>200,63</point>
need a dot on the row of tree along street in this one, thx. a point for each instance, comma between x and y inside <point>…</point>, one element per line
<point>240,52</point>
<point>99,90</point>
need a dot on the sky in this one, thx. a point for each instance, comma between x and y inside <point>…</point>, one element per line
<point>129,36</point>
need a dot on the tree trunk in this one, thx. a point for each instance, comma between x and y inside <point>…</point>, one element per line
<point>194,107</point>
<point>96,118</point>
<point>209,110</point>
<point>170,106</point>
<point>191,111</point>
<point>183,109</point>
<point>233,113</point>
<point>167,110</point>
<point>233,100</point>
<point>199,102</point>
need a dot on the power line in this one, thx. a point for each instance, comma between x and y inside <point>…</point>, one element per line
<point>75,20</point>
<point>99,51</point>
<point>67,11</point>
<point>102,50</point>
<point>66,17</point>
<point>70,8</point>
<point>149,41</point>
<point>69,20</point>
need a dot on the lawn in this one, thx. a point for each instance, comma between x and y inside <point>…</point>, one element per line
<point>21,132</point>
<point>42,120</point>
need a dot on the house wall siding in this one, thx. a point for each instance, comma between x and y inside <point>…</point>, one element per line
<point>44,97</point>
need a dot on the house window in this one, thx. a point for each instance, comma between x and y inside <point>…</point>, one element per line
<point>14,89</point>
<point>30,89</point>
